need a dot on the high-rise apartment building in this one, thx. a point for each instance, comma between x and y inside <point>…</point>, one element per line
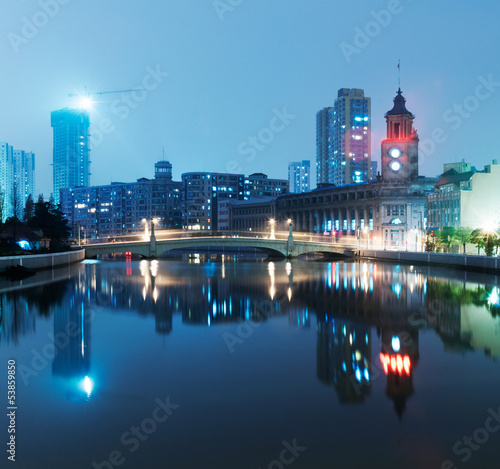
<point>206,193</point>
<point>299,176</point>
<point>343,140</point>
<point>324,131</point>
<point>24,174</point>
<point>71,163</point>
<point>17,179</point>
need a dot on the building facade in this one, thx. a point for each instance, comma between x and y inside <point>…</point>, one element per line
<point>71,163</point>
<point>17,179</point>
<point>202,195</point>
<point>464,197</point>
<point>252,215</point>
<point>99,212</point>
<point>259,185</point>
<point>299,176</point>
<point>343,140</point>
<point>324,119</point>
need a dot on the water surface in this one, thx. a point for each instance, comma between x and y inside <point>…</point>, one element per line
<point>232,364</point>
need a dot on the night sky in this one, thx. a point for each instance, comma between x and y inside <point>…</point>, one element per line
<point>232,66</point>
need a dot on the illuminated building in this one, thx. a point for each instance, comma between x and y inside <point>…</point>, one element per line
<point>17,179</point>
<point>299,176</point>
<point>259,185</point>
<point>202,193</point>
<point>343,140</point>
<point>389,212</point>
<point>71,163</point>
<point>122,208</point>
<point>464,197</point>
<point>252,215</point>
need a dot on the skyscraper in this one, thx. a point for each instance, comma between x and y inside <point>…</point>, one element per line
<point>343,139</point>
<point>71,164</point>
<point>299,176</point>
<point>17,179</point>
<point>323,136</point>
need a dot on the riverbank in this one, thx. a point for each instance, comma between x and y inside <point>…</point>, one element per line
<point>42,261</point>
<point>457,261</point>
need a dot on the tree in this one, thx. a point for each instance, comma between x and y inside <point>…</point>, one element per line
<point>462,235</point>
<point>432,242</point>
<point>16,202</point>
<point>29,208</point>
<point>446,236</point>
<point>486,240</point>
<point>50,219</point>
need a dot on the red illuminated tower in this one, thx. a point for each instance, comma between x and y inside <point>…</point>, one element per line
<point>400,149</point>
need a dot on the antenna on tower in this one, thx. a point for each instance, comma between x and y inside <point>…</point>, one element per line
<point>163,153</point>
<point>399,73</point>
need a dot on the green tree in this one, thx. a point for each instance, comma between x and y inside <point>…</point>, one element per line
<point>432,242</point>
<point>446,236</point>
<point>462,235</point>
<point>486,240</point>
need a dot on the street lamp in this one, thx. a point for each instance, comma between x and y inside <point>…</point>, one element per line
<point>146,229</point>
<point>272,221</point>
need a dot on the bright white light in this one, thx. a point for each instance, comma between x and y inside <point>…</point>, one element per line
<point>395,166</point>
<point>489,226</point>
<point>87,385</point>
<point>85,103</point>
<point>395,152</point>
<point>396,344</point>
<point>494,299</point>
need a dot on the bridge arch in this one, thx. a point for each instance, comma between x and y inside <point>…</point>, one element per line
<point>165,248</point>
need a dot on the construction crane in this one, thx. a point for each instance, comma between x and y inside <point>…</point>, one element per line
<point>99,93</point>
<point>86,100</point>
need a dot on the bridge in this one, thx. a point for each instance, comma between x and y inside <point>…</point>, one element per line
<point>277,248</point>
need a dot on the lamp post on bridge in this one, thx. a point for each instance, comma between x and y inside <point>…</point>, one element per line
<point>152,239</point>
<point>290,237</point>
<point>272,221</point>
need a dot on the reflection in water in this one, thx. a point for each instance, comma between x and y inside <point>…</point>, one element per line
<point>348,300</point>
<point>344,358</point>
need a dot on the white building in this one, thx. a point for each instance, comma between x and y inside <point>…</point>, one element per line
<point>299,176</point>
<point>464,197</point>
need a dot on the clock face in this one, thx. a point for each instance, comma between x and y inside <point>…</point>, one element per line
<point>395,152</point>
<point>395,165</point>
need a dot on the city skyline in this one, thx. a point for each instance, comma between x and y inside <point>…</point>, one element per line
<point>237,89</point>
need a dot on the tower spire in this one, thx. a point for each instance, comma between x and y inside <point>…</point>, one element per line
<point>399,73</point>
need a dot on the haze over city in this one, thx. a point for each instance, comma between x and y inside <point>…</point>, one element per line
<point>231,68</point>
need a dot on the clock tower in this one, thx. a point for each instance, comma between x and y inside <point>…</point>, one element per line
<point>400,149</point>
